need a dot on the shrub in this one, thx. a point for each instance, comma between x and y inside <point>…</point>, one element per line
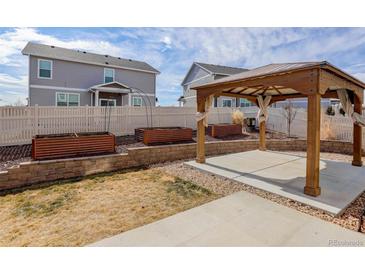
<point>327,131</point>
<point>238,117</point>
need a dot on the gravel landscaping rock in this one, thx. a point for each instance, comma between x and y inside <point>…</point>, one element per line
<point>7,164</point>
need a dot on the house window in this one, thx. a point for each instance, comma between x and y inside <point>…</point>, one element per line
<point>137,101</point>
<point>108,75</point>
<point>67,99</point>
<point>227,103</point>
<point>245,103</point>
<point>44,69</point>
<point>107,102</point>
<point>73,100</point>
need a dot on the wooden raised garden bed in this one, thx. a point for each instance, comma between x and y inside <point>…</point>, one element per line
<point>71,145</point>
<point>222,130</point>
<point>160,135</point>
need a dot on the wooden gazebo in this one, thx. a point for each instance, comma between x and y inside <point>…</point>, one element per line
<point>278,82</point>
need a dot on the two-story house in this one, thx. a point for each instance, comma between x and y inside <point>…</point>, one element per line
<point>201,73</point>
<point>65,77</point>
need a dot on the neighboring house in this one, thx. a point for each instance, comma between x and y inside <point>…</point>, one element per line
<point>200,73</point>
<point>302,103</point>
<point>65,77</point>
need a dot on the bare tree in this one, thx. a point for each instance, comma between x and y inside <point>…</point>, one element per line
<point>289,113</point>
<point>18,103</point>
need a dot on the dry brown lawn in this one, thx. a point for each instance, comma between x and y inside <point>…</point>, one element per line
<point>75,213</point>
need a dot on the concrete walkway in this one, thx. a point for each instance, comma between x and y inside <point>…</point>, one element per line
<point>241,219</point>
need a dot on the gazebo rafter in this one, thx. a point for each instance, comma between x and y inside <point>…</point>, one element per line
<point>278,82</point>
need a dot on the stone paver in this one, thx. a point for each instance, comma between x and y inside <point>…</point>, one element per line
<point>241,219</point>
<point>284,174</point>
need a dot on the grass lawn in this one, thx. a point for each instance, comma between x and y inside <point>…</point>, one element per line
<point>78,212</point>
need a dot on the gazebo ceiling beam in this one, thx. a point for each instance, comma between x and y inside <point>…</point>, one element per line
<point>277,98</point>
<point>248,97</point>
<point>264,91</point>
<point>253,98</point>
<point>242,90</point>
<point>256,90</point>
<point>277,90</point>
<point>230,90</point>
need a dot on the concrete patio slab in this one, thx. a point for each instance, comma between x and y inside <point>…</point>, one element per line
<point>284,174</point>
<point>241,219</point>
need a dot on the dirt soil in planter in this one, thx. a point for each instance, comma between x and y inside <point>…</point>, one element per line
<point>79,212</point>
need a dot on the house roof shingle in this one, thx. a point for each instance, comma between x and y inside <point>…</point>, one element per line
<point>81,56</point>
<point>264,70</point>
<point>223,70</point>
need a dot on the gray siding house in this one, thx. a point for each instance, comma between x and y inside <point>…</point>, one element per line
<point>201,73</point>
<point>65,77</point>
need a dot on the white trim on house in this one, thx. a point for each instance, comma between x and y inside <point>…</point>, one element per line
<point>188,97</point>
<point>38,68</point>
<point>186,75</point>
<point>110,83</point>
<point>83,89</point>
<point>58,88</point>
<point>188,83</point>
<point>67,93</point>
<point>113,90</point>
<point>207,70</point>
<point>113,75</point>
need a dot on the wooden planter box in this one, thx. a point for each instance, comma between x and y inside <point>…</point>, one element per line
<point>222,130</point>
<point>71,145</point>
<point>163,135</point>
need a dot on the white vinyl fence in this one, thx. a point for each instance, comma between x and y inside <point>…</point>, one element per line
<point>332,127</point>
<point>19,124</point>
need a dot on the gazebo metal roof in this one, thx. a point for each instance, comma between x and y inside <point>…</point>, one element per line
<point>289,80</point>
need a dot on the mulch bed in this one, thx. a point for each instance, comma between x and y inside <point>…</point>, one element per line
<point>10,153</point>
<point>14,155</point>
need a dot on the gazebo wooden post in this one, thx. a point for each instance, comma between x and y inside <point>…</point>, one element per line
<point>200,146</point>
<point>262,131</point>
<point>313,145</point>
<point>357,134</point>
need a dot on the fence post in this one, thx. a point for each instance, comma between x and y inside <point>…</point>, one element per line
<point>185,121</point>
<point>87,118</point>
<point>36,119</point>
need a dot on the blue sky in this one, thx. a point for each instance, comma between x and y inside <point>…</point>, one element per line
<point>172,50</point>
